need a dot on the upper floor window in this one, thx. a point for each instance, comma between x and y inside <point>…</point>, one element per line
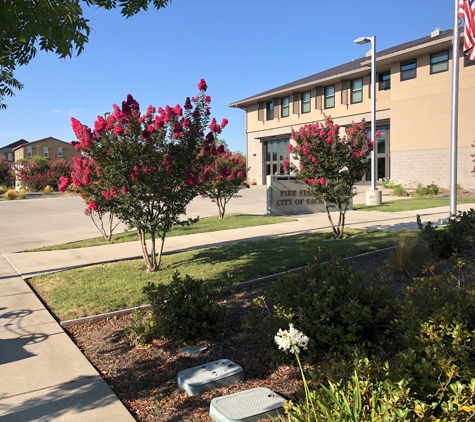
<point>270,110</point>
<point>384,81</point>
<point>45,152</point>
<point>330,96</point>
<point>284,107</point>
<point>60,152</point>
<point>306,102</point>
<point>439,62</point>
<point>467,62</point>
<point>408,69</point>
<point>29,152</point>
<point>9,156</point>
<point>356,91</point>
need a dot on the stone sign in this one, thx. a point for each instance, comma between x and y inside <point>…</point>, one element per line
<point>286,197</point>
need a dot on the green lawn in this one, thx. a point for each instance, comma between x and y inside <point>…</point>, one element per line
<point>411,204</point>
<point>107,287</point>
<point>204,225</point>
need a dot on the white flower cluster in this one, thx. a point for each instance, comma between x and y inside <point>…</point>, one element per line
<point>291,339</point>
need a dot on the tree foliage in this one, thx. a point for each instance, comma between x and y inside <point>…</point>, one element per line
<point>57,26</point>
<point>331,164</point>
<point>5,172</point>
<point>144,168</point>
<point>38,172</point>
<point>223,176</point>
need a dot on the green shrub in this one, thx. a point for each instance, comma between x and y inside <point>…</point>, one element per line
<point>411,254</point>
<point>185,309</point>
<point>22,193</point>
<point>9,195</point>
<point>337,307</point>
<point>138,331</point>
<point>457,235</point>
<point>428,190</point>
<point>398,190</point>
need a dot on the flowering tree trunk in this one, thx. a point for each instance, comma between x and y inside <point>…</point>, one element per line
<point>105,228</point>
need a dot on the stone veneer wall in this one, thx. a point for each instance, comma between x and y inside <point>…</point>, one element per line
<point>427,166</point>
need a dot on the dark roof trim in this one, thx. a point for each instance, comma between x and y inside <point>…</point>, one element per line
<point>348,68</point>
<point>274,137</point>
<point>15,144</point>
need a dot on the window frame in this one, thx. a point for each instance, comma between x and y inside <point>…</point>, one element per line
<point>432,72</point>
<point>60,152</point>
<point>29,152</point>
<point>270,110</point>
<point>353,91</point>
<point>382,82</point>
<point>403,72</point>
<point>305,105</point>
<point>285,107</point>
<point>326,97</point>
<point>46,152</point>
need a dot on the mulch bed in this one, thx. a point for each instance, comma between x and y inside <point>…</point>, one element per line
<point>144,378</point>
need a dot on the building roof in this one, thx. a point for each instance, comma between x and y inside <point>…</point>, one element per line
<point>354,66</point>
<point>49,138</point>
<point>15,144</point>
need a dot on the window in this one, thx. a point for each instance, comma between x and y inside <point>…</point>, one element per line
<point>356,91</point>
<point>284,106</point>
<point>330,96</point>
<point>60,152</point>
<point>439,62</point>
<point>45,152</point>
<point>408,70</point>
<point>384,81</point>
<point>467,62</point>
<point>270,110</point>
<point>29,152</point>
<point>306,102</point>
<point>9,156</point>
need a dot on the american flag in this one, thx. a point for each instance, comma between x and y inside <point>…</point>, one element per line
<point>467,13</point>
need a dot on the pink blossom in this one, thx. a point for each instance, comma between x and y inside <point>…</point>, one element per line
<point>118,130</point>
<point>125,191</point>
<point>169,169</point>
<point>64,183</point>
<point>135,173</point>
<point>322,180</point>
<point>188,105</point>
<point>207,98</point>
<point>289,148</point>
<point>202,85</point>
<point>177,110</point>
<point>93,206</point>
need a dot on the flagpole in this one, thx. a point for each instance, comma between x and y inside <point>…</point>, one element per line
<point>454,124</point>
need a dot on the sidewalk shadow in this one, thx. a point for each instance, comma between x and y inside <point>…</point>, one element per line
<point>75,397</point>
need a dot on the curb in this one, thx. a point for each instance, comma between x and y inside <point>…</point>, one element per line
<point>240,286</point>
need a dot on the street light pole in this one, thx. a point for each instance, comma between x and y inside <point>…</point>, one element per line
<point>373,196</point>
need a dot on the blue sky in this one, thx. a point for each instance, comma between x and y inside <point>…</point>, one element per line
<point>240,47</point>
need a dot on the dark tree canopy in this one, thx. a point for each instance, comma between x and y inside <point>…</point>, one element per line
<point>58,26</point>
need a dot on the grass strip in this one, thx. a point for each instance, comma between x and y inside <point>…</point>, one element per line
<point>204,225</point>
<point>108,287</point>
<point>410,204</point>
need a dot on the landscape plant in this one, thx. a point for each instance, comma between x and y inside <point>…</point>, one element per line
<point>330,164</point>
<point>6,169</point>
<point>185,309</point>
<point>223,175</point>
<point>145,168</point>
<point>9,195</point>
<point>38,172</point>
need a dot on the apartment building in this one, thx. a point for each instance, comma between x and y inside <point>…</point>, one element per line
<point>413,112</point>
<point>47,148</point>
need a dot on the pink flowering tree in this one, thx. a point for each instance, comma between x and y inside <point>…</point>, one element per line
<point>38,172</point>
<point>6,170</point>
<point>143,167</point>
<point>330,164</point>
<point>223,173</point>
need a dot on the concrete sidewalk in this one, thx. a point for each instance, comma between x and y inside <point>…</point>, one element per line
<point>44,377</point>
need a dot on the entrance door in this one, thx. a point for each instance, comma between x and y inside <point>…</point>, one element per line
<point>276,152</point>
<point>382,155</point>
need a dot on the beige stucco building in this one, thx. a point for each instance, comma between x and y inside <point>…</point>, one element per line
<point>47,147</point>
<point>413,103</point>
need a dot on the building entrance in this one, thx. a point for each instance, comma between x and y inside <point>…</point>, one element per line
<point>382,156</point>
